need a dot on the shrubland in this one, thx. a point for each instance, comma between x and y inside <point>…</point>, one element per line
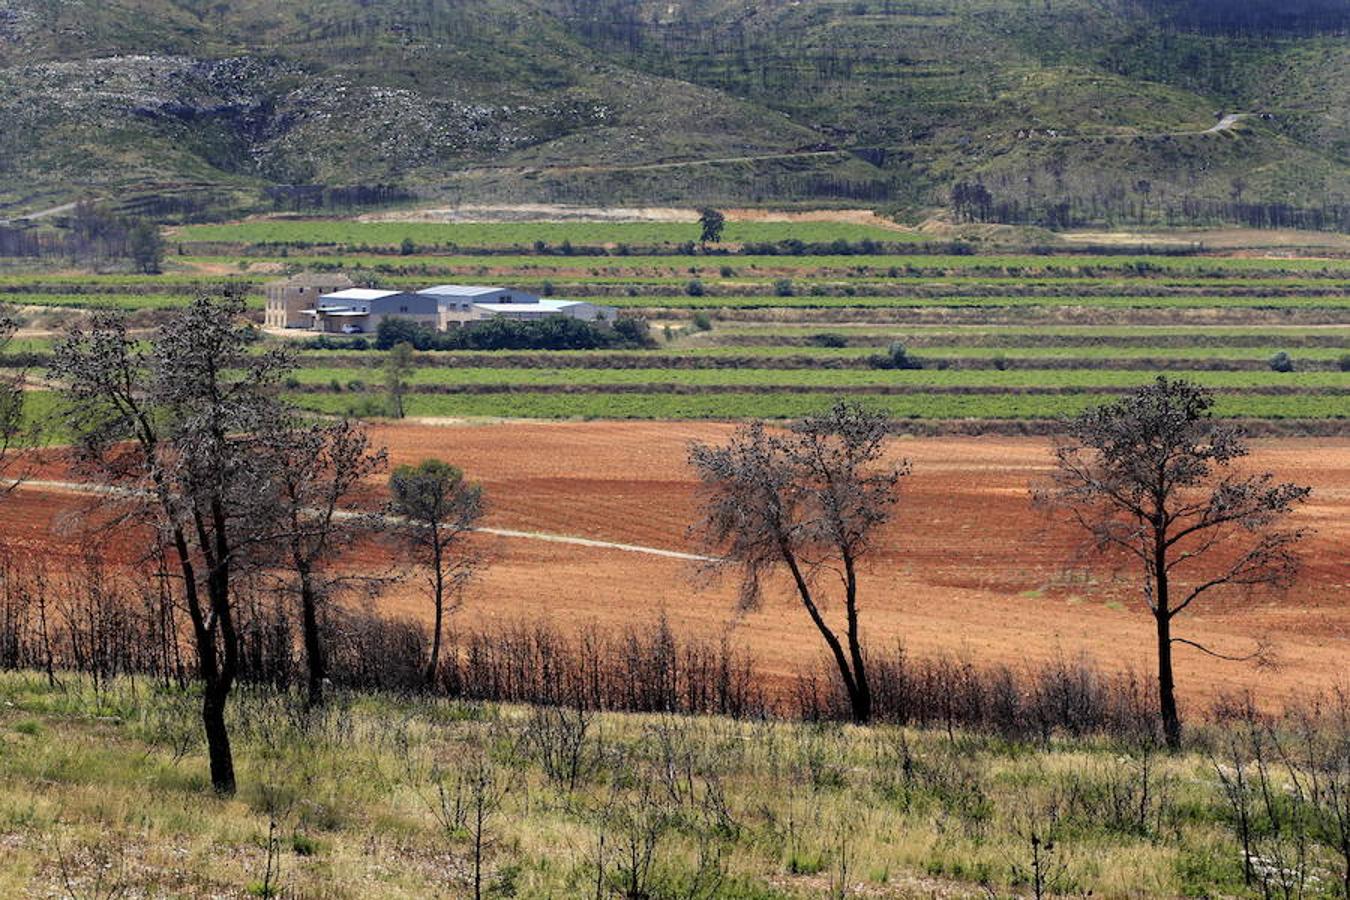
<point>409,795</point>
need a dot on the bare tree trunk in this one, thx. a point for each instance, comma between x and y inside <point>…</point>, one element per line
<point>1167,700</point>
<point>434,664</point>
<point>213,697</point>
<point>1162,615</point>
<point>48,658</point>
<point>846,671</point>
<point>218,737</point>
<point>314,656</point>
<point>219,585</point>
<point>218,663</point>
<point>862,694</point>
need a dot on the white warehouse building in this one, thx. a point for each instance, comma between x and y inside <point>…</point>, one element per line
<point>461,303</point>
<point>360,310</point>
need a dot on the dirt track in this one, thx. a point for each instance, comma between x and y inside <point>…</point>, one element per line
<point>969,567</point>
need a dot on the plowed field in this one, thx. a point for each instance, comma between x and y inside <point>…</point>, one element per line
<point>969,568</point>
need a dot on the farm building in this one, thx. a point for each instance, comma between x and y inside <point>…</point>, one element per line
<point>460,303</point>
<point>360,310</point>
<point>288,299</point>
<point>542,309</point>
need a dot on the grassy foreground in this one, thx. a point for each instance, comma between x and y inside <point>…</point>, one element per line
<point>379,796</point>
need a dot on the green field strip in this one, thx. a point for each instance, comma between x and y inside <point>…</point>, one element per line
<point>127,302</point>
<point>675,279</point>
<point>826,354</point>
<point>1082,332</point>
<point>657,303</point>
<point>1103,352</point>
<point>1151,301</point>
<point>982,378</point>
<point>915,339</point>
<point>748,405</point>
<point>29,345</point>
<point>906,264</point>
<point>167,282</point>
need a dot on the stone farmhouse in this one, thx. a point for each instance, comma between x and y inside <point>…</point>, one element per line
<point>287,300</point>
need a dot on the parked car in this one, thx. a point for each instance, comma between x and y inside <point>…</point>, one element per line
<point>352,329</point>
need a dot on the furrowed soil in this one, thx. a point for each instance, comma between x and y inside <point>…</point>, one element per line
<point>969,568</point>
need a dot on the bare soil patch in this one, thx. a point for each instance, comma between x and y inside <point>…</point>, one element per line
<point>552,212</point>
<point>970,568</point>
<point>1218,238</point>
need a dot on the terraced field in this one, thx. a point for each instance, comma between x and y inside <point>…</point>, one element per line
<point>995,337</point>
<point>309,233</point>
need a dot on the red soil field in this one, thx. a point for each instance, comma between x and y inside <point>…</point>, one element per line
<point>969,567</point>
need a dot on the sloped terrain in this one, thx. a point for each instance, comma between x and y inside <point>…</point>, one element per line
<point>877,101</point>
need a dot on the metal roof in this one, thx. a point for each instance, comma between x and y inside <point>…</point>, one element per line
<point>337,311</point>
<point>542,306</point>
<point>461,290</point>
<point>359,294</point>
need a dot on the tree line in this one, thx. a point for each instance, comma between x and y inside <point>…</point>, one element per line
<point>92,233</point>
<point>333,198</point>
<point>548,333</point>
<point>1268,18</point>
<point>1139,204</point>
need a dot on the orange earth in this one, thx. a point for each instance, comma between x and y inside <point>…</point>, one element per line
<point>968,568</point>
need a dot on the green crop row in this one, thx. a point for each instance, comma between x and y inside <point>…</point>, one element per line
<point>1336,301</point>
<point>175,283</point>
<point>148,300</point>
<point>1199,271</point>
<point>1084,332</point>
<point>1102,352</point>
<point>743,406</point>
<point>826,354</point>
<point>827,378</point>
<point>41,405</point>
<point>350,234</point>
<point>126,302</point>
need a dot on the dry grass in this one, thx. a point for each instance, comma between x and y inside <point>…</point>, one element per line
<point>112,786</point>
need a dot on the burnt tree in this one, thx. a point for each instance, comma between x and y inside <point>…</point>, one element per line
<point>319,468</point>
<point>13,425</point>
<point>1151,476</point>
<point>174,430</point>
<point>808,501</point>
<point>432,508</point>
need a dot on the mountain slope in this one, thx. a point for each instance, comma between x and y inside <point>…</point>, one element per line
<point>885,101</point>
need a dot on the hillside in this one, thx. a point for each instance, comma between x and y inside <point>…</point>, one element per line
<point>1063,111</point>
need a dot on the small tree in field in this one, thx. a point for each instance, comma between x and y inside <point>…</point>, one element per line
<point>11,409</point>
<point>434,508</point>
<point>1149,476</point>
<point>711,222</point>
<point>146,247</point>
<point>176,428</point>
<point>397,369</point>
<point>808,502</point>
<point>319,468</point>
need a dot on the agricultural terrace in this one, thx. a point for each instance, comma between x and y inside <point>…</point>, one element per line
<point>586,533</point>
<point>779,316</point>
